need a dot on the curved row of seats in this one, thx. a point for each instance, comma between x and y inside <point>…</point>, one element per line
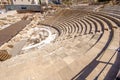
<point>74,25</point>
<point>104,27</point>
<point>84,50</point>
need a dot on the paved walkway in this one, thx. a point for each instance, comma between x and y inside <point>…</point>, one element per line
<point>9,32</point>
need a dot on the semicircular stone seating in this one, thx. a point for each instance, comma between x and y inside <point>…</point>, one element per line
<point>84,50</point>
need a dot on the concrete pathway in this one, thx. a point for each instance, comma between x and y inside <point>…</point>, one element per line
<point>9,32</point>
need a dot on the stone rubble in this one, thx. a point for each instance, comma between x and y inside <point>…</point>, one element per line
<point>28,33</point>
<point>8,20</point>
